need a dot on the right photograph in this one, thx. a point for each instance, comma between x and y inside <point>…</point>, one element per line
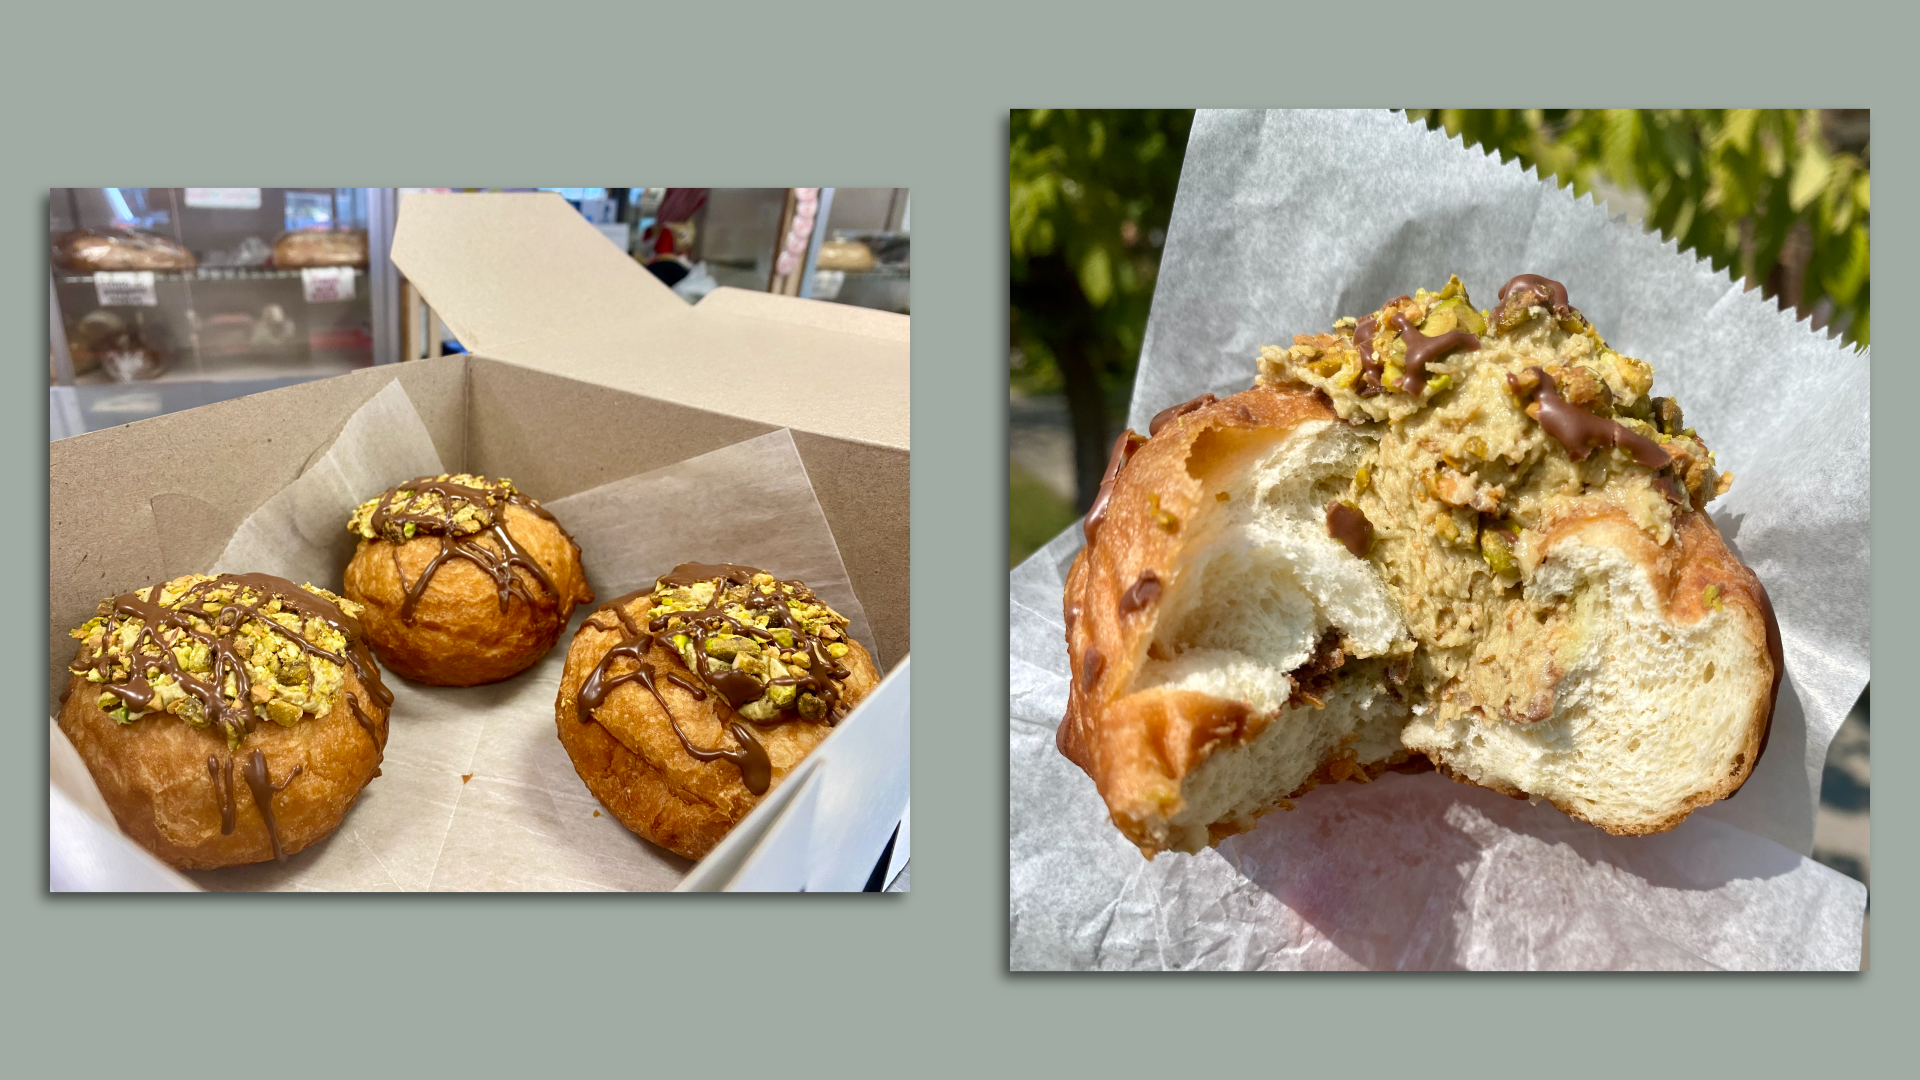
<point>1439,539</point>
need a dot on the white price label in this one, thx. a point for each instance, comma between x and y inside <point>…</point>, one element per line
<point>124,288</point>
<point>224,198</point>
<point>325,284</point>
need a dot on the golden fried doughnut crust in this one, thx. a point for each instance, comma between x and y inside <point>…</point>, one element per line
<point>633,763</point>
<point>459,636</point>
<point>153,774</point>
<point>1139,748</point>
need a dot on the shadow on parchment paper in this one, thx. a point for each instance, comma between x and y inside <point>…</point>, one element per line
<point>1779,777</point>
<point>1437,849</point>
<point>1394,909</point>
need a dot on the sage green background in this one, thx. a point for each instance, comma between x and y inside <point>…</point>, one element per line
<point>882,94</point>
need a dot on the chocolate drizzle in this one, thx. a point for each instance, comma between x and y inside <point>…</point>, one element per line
<point>1171,413</point>
<point>1422,349</point>
<point>1143,592</point>
<point>263,788</point>
<point>1580,431</point>
<point>1123,450</point>
<point>1370,368</point>
<point>367,724</point>
<point>756,769</point>
<point>1349,526</point>
<point>1090,667</point>
<point>497,562</point>
<point>690,573</point>
<point>222,775</point>
<point>820,678</point>
<point>164,626</point>
<point>1548,291</point>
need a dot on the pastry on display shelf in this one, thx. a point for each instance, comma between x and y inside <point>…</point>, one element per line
<point>321,247</point>
<point>87,251</point>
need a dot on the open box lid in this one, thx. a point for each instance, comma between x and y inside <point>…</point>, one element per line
<point>524,279</point>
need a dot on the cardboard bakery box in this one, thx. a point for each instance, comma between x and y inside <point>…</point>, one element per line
<point>583,369</point>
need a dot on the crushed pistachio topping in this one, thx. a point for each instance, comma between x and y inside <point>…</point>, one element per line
<point>1476,415</point>
<point>216,628</point>
<point>776,633</point>
<point>1466,471</point>
<point>407,510</point>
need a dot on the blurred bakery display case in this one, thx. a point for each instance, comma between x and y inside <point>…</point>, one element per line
<point>867,267</point>
<point>164,299</point>
<point>849,245</point>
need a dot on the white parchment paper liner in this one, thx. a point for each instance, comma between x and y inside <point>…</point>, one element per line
<point>1283,222</point>
<point>476,791</point>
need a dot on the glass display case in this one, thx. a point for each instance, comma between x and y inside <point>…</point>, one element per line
<point>163,299</point>
<point>863,252</point>
<point>849,245</point>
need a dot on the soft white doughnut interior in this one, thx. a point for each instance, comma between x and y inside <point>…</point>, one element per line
<point>1260,590</point>
<point>1646,712</point>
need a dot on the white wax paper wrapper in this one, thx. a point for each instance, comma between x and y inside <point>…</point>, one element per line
<point>1283,222</point>
<point>476,792</point>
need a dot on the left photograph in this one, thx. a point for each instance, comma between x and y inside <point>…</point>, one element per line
<point>479,539</point>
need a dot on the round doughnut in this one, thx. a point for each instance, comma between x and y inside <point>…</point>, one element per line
<point>206,775</point>
<point>464,580</point>
<point>680,755</point>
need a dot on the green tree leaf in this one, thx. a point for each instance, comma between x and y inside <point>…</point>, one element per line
<point>1744,189</point>
<point>1096,276</point>
<point>1809,176</point>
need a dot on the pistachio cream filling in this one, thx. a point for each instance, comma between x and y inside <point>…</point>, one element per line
<point>225,650</point>
<point>1490,426</point>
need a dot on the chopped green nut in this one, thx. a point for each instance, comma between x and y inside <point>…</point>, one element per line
<point>729,646</point>
<point>761,709</point>
<point>1498,552</point>
<point>190,710</point>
